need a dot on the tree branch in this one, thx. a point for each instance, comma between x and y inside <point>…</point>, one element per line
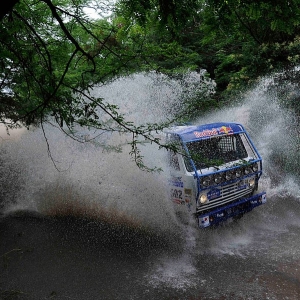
<point>53,9</point>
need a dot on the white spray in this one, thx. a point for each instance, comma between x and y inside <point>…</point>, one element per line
<point>92,179</point>
<point>98,184</point>
<point>93,182</point>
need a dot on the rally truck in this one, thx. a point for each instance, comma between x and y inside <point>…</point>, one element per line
<point>214,172</point>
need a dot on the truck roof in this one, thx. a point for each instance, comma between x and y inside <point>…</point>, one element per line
<point>198,132</point>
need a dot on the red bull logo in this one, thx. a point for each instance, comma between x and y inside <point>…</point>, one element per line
<point>213,132</point>
<point>225,130</point>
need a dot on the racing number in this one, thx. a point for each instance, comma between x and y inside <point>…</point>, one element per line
<point>176,194</point>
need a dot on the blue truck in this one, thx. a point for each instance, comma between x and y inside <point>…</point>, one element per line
<point>214,172</point>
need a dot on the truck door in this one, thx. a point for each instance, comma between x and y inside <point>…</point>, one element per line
<point>176,175</point>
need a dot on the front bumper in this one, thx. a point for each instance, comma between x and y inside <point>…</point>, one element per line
<point>236,209</point>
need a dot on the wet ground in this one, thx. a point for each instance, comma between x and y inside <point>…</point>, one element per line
<point>76,258</point>
<point>72,250</point>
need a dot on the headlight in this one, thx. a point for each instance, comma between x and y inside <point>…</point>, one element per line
<point>218,178</point>
<point>252,182</point>
<point>206,180</point>
<point>203,198</point>
<point>228,175</point>
<point>247,170</point>
<point>238,173</point>
<point>255,167</point>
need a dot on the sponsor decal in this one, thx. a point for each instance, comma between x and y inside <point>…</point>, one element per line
<point>225,130</point>
<point>214,193</point>
<point>241,187</point>
<point>205,133</point>
<point>188,191</point>
<point>204,221</point>
<point>213,132</point>
<point>177,182</point>
<point>187,201</point>
<point>188,195</point>
<point>176,201</point>
<point>219,215</point>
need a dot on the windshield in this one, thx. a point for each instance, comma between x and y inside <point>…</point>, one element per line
<point>215,151</point>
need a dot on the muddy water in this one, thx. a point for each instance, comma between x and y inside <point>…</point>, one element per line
<point>99,228</point>
<point>75,258</point>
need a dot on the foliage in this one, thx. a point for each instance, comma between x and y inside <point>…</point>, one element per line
<point>236,42</point>
<point>52,55</point>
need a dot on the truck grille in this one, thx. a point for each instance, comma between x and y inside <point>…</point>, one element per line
<point>228,194</point>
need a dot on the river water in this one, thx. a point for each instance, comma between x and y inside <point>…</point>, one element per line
<point>99,228</point>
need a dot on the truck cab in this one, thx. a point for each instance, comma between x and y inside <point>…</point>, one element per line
<point>214,172</point>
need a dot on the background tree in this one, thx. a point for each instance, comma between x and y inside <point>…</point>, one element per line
<point>52,54</point>
<point>252,38</point>
<point>51,57</point>
<point>236,42</point>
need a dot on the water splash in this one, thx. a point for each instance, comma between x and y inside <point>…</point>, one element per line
<point>178,270</point>
<point>93,180</point>
<point>274,130</point>
<point>108,186</point>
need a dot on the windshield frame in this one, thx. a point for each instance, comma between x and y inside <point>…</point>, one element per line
<point>215,151</point>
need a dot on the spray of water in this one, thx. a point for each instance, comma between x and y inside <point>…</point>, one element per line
<point>274,131</point>
<point>97,184</point>
<point>93,182</point>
